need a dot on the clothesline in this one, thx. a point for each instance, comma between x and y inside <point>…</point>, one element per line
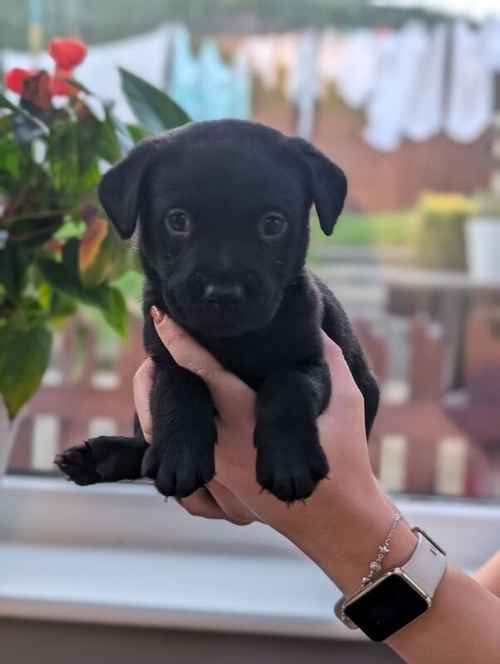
<point>411,83</point>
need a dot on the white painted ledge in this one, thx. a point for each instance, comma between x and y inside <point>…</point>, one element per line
<point>119,555</point>
<point>171,590</point>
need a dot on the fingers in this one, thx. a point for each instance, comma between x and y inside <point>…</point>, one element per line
<point>232,397</point>
<point>234,509</point>
<point>201,503</point>
<point>217,503</point>
<point>345,392</point>
<point>143,380</point>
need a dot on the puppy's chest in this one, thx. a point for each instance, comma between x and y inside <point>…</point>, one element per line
<point>256,356</point>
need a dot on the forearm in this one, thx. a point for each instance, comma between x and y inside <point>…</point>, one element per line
<point>462,624</point>
<point>489,575</point>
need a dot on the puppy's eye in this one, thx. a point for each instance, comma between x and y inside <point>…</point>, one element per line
<point>178,223</point>
<point>272,226</point>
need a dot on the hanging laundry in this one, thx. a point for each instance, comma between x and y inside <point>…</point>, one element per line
<point>330,58</point>
<point>390,103</point>
<point>425,115</point>
<point>261,53</point>
<point>490,40</point>
<point>303,88</point>
<point>204,85</point>
<point>359,65</point>
<point>144,55</point>
<point>184,75</point>
<point>471,103</point>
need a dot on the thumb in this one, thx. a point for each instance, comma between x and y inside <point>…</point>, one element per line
<point>232,397</point>
<point>346,395</point>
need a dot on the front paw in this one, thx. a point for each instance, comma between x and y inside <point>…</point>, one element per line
<point>290,463</point>
<point>183,464</point>
<point>79,465</point>
<point>103,459</point>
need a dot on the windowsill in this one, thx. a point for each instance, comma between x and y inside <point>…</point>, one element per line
<point>75,554</point>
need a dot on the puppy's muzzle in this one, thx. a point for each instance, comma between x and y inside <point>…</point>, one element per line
<point>218,295</point>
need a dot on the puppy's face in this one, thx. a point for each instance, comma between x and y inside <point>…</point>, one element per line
<point>223,211</point>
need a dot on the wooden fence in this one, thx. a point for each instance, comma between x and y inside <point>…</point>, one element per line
<point>424,440</point>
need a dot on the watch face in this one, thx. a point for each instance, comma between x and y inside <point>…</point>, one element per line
<point>386,608</point>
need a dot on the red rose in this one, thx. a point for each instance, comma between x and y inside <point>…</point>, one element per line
<point>14,79</point>
<point>59,83</point>
<point>67,53</point>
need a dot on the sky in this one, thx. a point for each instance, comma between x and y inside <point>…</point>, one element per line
<point>475,8</point>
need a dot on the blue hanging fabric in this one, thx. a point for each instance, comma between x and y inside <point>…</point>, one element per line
<point>184,77</point>
<point>206,87</point>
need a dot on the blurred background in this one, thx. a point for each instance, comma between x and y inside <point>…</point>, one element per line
<point>405,97</point>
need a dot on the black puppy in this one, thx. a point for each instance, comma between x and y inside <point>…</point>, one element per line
<point>223,210</point>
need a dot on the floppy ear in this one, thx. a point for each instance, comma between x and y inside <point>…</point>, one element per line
<point>328,183</point>
<point>120,186</point>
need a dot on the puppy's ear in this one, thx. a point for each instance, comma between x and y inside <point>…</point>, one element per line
<point>120,186</point>
<point>328,183</point>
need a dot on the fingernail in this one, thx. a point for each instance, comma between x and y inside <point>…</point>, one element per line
<point>157,315</point>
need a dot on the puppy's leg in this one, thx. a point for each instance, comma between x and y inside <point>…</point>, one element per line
<point>181,456</point>
<point>103,459</point>
<point>290,461</point>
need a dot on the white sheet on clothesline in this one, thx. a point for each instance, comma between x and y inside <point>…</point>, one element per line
<point>471,103</point>
<point>425,112</point>
<point>390,104</point>
<point>359,65</point>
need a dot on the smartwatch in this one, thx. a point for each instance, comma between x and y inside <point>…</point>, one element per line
<point>398,597</point>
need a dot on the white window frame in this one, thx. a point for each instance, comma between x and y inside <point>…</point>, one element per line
<point>118,554</point>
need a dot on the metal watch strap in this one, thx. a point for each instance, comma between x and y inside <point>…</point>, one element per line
<point>426,565</point>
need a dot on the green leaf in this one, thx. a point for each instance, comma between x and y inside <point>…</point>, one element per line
<point>61,306</point>
<point>13,267</point>
<point>34,231</point>
<point>6,103</point>
<point>114,309</point>
<point>24,357</point>
<point>80,86</point>
<point>24,110</point>
<point>70,259</point>
<point>155,110</point>
<point>109,144</point>
<point>137,132</point>
<point>60,277</point>
<point>110,262</point>
<point>107,299</point>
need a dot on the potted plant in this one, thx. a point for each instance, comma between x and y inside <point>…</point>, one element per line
<point>56,248</point>
<point>439,231</point>
<point>483,240</point>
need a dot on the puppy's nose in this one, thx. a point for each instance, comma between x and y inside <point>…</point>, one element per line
<point>223,293</point>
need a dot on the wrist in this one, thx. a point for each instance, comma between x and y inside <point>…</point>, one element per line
<point>342,533</point>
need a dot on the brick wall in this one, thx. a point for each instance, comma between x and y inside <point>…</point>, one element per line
<point>384,181</point>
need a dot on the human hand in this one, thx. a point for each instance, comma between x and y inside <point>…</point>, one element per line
<point>350,503</point>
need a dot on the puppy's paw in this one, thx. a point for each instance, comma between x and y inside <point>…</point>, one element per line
<point>103,459</point>
<point>78,464</point>
<point>181,462</point>
<point>184,470</point>
<point>289,466</point>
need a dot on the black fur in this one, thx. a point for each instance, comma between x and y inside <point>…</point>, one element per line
<point>244,295</point>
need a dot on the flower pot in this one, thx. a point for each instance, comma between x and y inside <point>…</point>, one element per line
<point>483,249</point>
<point>8,431</point>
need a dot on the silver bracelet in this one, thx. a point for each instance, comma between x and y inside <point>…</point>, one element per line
<point>374,568</point>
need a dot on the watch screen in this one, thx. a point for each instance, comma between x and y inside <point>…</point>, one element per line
<point>389,606</point>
